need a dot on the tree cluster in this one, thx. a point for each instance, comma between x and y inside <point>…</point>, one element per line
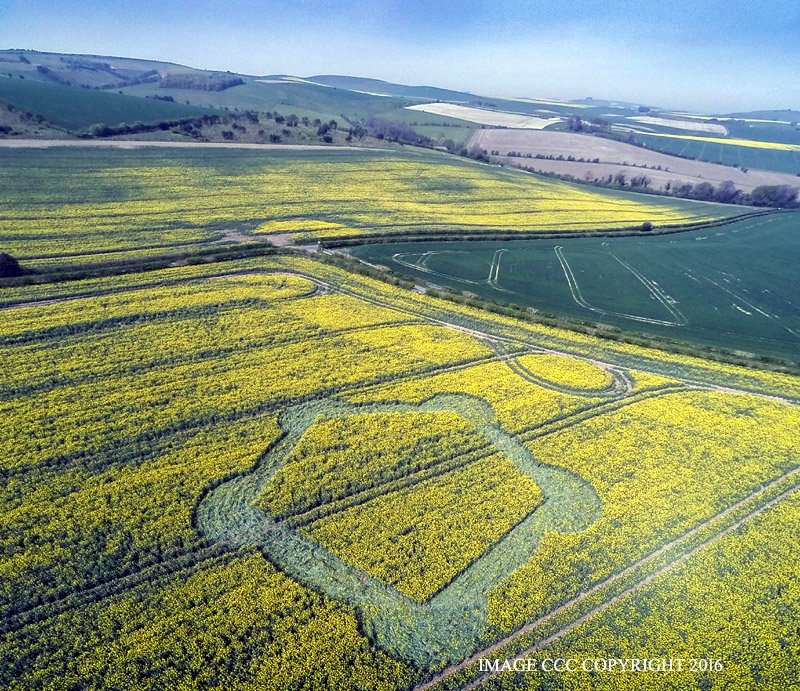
<point>9,266</point>
<point>575,123</point>
<point>52,75</point>
<point>185,124</point>
<point>398,132</point>
<point>200,82</point>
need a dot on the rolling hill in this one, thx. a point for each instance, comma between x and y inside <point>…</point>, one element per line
<point>68,94</point>
<point>77,109</point>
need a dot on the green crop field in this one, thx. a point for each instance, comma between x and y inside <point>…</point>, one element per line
<point>764,131</point>
<point>783,161</point>
<point>77,109</point>
<point>732,286</point>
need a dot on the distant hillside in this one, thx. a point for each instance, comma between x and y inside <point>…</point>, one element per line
<point>267,94</point>
<point>77,91</point>
<point>56,95</point>
<point>378,86</point>
<point>603,103</point>
<point>777,115</point>
<point>53,96</point>
<point>87,71</point>
<point>168,91</point>
<point>77,109</point>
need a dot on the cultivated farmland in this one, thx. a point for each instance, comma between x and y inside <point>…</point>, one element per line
<point>748,153</point>
<point>482,116</point>
<point>664,615</point>
<point>680,124</point>
<point>156,201</point>
<point>726,287</point>
<point>193,473</point>
<point>607,157</point>
<point>746,143</point>
<point>228,465</point>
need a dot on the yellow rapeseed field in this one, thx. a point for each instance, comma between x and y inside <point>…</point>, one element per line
<point>732,141</point>
<point>58,208</point>
<point>131,401</point>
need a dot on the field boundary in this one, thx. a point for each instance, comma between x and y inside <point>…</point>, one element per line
<point>142,143</point>
<point>458,234</point>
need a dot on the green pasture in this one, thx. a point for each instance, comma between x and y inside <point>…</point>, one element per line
<point>309,100</point>
<point>764,131</point>
<point>77,109</point>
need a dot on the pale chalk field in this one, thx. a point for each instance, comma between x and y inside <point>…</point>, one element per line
<point>486,117</point>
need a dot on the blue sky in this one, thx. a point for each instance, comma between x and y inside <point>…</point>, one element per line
<point>712,55</point>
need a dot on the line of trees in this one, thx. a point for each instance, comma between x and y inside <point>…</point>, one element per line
<point>186,124</point>
<point>554,157</point>
<point>236,123</point>
<point>398,132</point>
<point>772,196</point>
<point>199,82</point>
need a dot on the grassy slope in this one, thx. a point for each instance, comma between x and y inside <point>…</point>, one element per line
<point>382,87</point>
<point>77,109</point>
<point>436,127</point>
<point>298,98</point>
<point>73,107</point>
<point>23,124</point>
<point>9,61</point>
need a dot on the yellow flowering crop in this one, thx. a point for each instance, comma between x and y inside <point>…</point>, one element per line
<point>749,143</point>
<point>342,456</point>
<point>127,401</point>
<point>139,204</point>
<point>660,466</point>
<point>418,538</point>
